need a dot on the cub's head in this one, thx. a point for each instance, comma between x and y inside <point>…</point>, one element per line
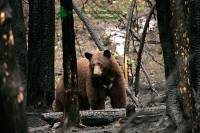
<point>100,62</point>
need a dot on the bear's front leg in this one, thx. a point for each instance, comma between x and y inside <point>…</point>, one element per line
<point>118,93</point>
<point>96,98</point>
<point>96,95</point>
<point>97,104</point>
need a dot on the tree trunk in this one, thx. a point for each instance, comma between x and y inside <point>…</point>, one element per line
<point>71,109</point>
<point>18,26</point>
<point>11,89</point>
<point>19,32</point>
<point>48,42</point>
<point>179,100</point>
<point>194,34</point>
<point>168,47</point>
<point>166,37</point>
<point>41,52</point>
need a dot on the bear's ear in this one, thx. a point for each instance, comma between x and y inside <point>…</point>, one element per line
<point>88,55</point>
<point>107,53</point>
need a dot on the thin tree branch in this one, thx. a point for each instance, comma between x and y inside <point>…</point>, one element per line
<point>137,74</point>
<point>153,58</point>
<point>135,36</point>
<point>126,47</point>
<point>143,68</point>
<point>148,80</point>
<point>128,28</point>
<point>129,31</point>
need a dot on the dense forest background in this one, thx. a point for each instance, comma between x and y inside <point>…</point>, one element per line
<point>156,44</point>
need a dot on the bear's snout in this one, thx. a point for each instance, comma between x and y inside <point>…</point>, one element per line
<point>97,71</point>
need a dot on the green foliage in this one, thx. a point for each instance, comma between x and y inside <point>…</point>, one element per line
<point>131,63</point>
<point>107,10</point>
<point>140,9</point>
<point>114,54</point>
<point>63,13</point>
<point>102,13</point>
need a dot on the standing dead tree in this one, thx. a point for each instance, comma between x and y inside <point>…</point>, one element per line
<point>41,39</point>
<point>179,97</point>
<point>18,26</point>
<point>11,89</point>
<point>165,34</point>
<point>71,109</point>
<point>194,34</point>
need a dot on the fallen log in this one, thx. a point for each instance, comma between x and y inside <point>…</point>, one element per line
<point>155,109</point>
<point>37,129</point>
<point>52,117</point>
<point>89,117</point>
<point>101,117</point>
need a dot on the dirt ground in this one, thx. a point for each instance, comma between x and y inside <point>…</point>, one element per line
<point>113,34</point>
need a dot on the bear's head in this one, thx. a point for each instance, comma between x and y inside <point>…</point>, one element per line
<point>100,62</point>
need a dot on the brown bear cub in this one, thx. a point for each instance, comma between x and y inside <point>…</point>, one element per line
<point>99,76</point>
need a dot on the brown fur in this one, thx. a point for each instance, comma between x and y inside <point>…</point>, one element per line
<point>92,90</point>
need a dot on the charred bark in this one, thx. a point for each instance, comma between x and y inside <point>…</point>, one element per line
<point>41,52</point>
<point>11,87</point>
<point>19,31</point>
<point>71,109</point>
<point>194,34</point>
<point>179,97</point>
<point>174,109</point>
<point>166,37</point>
<point>18,26</point>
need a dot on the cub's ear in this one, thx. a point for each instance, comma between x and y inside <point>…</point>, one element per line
<point>88,55</point>
<point>107,53</point>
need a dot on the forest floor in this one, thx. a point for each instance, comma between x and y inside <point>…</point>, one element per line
<point>112,32</point>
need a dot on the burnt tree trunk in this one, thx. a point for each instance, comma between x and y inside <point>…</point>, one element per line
<point>194,34</point>
<point>183,94</point>
<point>166,37</point>
<point>11,89</point>
<point>71,109</point>
<point>19,32</point>
<point>179,99</point>
<point>41,52</point>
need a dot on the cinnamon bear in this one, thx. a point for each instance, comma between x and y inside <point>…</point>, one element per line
<point>99,76</point>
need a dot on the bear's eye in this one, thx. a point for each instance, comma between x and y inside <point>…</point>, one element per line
<point>98,63</point>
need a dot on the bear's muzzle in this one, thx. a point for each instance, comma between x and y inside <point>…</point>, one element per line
<point>97,71</point>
